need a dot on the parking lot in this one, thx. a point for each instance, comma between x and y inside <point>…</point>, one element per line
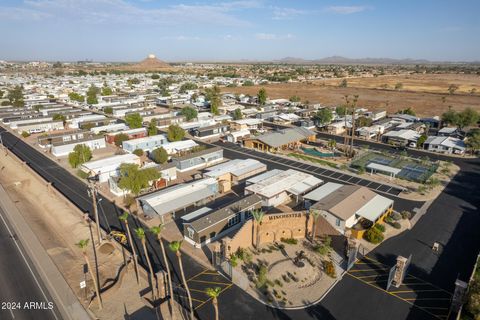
<point>421,294</point>
<point>325,174</point>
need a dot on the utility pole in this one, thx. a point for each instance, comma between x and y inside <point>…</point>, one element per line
<point>345,137</point>
<point>354,105</point>
<point>93,193</point>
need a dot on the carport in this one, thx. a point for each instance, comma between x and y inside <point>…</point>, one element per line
<point>375,167</point>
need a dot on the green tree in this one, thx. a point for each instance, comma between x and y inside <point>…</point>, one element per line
<point>157,231</point>
<point>408,111</point>
<point>83,245</point>
<point>323,116</point>
<point>81,154</point>
<point>332,144</point>
<point>213,293</point>
<point>108,110</point>
<point>58,117</point>
<point>175,247</point>
<point>15,96</point>
<point>159,155</point>
<point>155,76</point>
<point>92,93</point>
<point>106,91</point>
<point>175,133</point>
<point>258,215</point>
<point>213,95</point>
<point>449,117</point>
<point>473,140</point>
<point>187,86</point>
<point>363,122</point>
<point>262,96</point>
<point>248,83</point>
<point>341,110</point>
<point>134,120</point>
<point>466,118</point>
<point>134,179</point>
<point>152,127</point>
<point>119,138</point>
<point>76,97</point>
<point>189,113</point>
<point>237,114</point>
<point>421,140</point>
<point>140,232</point>
<point>25,134</point>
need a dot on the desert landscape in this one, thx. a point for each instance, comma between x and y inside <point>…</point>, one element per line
<point>427,94</point>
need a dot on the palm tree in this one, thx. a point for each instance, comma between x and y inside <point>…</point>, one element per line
<point>314,214</point>
<point>124,218</point>
<point>257,217</point>
<point>175,247</point>
<point>141,235</point>
<point>157,231</point>
<point>332,144</point>
<point>83,244</point>
<point>214,293</point>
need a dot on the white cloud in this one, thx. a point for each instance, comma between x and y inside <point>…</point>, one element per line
<point>346,9</point>
<point>273,36</point>
<point>286,13</point>
<point>123,12</point>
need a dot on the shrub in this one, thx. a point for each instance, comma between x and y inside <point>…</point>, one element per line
<point>128,201</point>
<point>159,155</point>
<point>138,152</point>
<point>82,174</point>
<point>373,235</point>
<point>406,214</point>
<point>25,134</point>
<point>380,227</point>
<point>233,260</point>
<point>278,282</point>
<point>395,216</point>
<point>396,225</point>
<point>285,278</point>
<point>289,240</point>
<point>389,220</point>
<point>321,249</point>
<point>329,268</point>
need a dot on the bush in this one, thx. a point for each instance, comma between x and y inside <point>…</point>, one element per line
<point>389,220</point>
<point>82,174</point>
<point>380,227</point>
<point>321,249</point>
<point>406,214</point>
<point>396,225</point>
<point>128,201</point>
<point>138,152</point>
<point>233,260</point>
<point>278,283</point>
<point>373,235</point>
<point>329,268</point>
<point>395,216</point>
<point>159,155</point>
<point>25,134</point>
<point>289,240</point>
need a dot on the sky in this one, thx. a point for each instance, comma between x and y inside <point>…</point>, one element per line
<point>129,30</point>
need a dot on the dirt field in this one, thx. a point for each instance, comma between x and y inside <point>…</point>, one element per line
<point>423,94</point>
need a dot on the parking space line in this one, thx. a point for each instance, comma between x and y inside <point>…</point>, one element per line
<point>434,299</point>
<point>197,274</point>
<point>211,282</point>
<point>376,275</point>
<point>193,299</point>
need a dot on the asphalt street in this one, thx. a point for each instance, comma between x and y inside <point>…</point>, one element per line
<point>22,292</point>
<point>452,220</point>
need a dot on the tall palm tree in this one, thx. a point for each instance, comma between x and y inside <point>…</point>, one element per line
<point>83,244</point>
<point>214,293</point>
<point>257,217</point>
<point>124,218</point>
<point>158,232</point>
<point>175,247</point>
<point>141,235</point>
<point>314,214</point>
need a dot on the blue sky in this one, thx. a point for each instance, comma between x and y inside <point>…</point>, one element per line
<point>128,30</point>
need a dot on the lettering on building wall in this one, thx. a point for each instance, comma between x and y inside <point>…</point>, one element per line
<point>285,216</point>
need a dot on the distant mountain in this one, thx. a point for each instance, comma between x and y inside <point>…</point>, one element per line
<point>344,60</point>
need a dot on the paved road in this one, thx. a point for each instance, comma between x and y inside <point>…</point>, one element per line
<point>452,220</point>
<point>20,285</point>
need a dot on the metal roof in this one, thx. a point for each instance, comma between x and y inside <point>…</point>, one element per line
<point>383,168</point>
<point>279,138</point>
<point>374,208</point>
<point>322,191</point>
<point>196,214</point>
<point>236,167</point>
<point>110,163</point>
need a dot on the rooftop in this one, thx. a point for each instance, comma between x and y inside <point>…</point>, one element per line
<point>236,167</point>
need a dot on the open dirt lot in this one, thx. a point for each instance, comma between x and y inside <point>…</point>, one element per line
<point>426,94</point>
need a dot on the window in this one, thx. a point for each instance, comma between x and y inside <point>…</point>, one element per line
<point>190,233</point>
<point>234,220</point>
<point>337,222</point>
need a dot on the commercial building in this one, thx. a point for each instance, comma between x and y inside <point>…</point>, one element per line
<point>108,167</point>
<point>352,208</point>
<point>236,170</point>
<point>283,139</point>
<point>206,225</point>
<point>178,197</point>
<point>199,159</point>
<point>275,187</point>
<point>146,144</point>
